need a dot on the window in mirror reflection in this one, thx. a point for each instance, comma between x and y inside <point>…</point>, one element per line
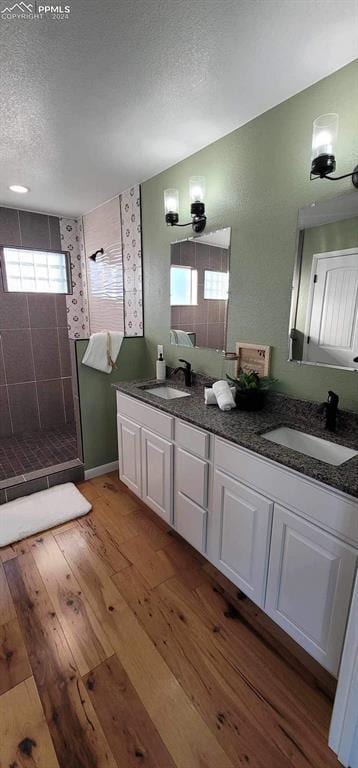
<point>216,285</point>
<point>183,286</point>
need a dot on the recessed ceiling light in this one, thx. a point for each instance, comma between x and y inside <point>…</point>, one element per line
<point>19,189</point>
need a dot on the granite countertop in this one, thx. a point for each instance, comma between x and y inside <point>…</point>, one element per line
<point>245,428</point>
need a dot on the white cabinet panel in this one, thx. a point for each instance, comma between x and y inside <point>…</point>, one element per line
<point>190,521</point>
<point>191,476</point>
<point>193,439</point>
<point>152,418</point>
<point>239,533</point>
<point>157,474</point>
<point>129,454</point>
<point>331,509</point>
<point>309,585</point>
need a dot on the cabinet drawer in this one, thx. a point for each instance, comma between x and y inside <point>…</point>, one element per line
<point>191,476</point>
<point>309,587</point>
<point>190,521</point>
<point>146,416</point>
<point>334,511</point>
<point>192,439</point>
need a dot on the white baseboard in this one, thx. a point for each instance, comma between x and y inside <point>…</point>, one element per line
<point>102,470</point>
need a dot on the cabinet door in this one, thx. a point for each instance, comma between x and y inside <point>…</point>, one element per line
<point>239,534</point>
<point>309,585</point>
<point>129,454</point>
<point>157,474</point>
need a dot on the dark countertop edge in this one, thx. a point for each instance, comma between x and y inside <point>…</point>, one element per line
<point>267,450</point>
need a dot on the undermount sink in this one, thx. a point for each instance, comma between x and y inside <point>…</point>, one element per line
<point>167,393</point>
<point>324,450</point>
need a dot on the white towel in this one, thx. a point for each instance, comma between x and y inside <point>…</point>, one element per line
<point>102,351</point>
<point>173,337</point>
<point>181,338</point>
<point>223,395</point>
<point>210,397</point>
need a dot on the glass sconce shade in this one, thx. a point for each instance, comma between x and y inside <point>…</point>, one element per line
<point>197,206</point>
<point>324,137</point>
<point>197,189</point>
<point>325,131</point>
<point>171,206</point>
<point>171,201</point>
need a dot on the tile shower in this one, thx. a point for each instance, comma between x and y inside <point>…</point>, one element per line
<point>207,319</point>
<point>39,441</point>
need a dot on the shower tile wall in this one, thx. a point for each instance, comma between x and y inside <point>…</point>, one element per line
<point>35,363</point>
<point>207,320</point>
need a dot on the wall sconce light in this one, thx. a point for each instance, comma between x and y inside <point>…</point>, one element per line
<point>197,205</point>
<point>171,206</point>
<point>324,137</point>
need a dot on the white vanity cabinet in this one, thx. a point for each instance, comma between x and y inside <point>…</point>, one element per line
<point>309,585</point>
<point>192,476</point>
<point>288,542</point>
<point>298,537</point>
<point>145,454</point>
<point>157,474</point>
<point>239,535</point>
<point>129,454</point>
<point>192,483</point>
<point>190,521</point>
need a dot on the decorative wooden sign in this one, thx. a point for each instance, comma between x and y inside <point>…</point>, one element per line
<point>253,357</point>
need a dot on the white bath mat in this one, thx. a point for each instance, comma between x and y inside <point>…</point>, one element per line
<point>40,511</point>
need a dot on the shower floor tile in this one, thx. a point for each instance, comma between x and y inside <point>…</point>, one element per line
<point>31,451</point>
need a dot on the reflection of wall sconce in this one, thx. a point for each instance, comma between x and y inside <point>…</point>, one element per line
<point>324,137</point>
<point>94,255</point>
<point>197,207</point>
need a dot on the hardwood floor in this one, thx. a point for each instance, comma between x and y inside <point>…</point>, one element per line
<point>120,646</point>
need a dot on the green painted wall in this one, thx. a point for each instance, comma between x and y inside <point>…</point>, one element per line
<point>257,178</point>
<point>98,400</point>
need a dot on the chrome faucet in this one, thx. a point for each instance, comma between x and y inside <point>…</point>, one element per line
<point>188,373</point>
<point>330,408</point>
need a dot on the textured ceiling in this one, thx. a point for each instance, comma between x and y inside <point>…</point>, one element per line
<point>125,88</point>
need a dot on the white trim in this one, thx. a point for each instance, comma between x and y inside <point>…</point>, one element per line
<point>344,719</point>
<point>102,470</point>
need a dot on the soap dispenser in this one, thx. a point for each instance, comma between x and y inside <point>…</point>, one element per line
<point>161,368</point>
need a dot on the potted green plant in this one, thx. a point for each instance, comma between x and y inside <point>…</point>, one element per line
<point>251,390</point>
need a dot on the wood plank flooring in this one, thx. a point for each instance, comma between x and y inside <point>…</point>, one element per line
<point>120,646</point>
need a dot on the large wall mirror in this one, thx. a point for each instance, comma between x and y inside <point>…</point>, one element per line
<point>324,310</point>
<point>199,290</point>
